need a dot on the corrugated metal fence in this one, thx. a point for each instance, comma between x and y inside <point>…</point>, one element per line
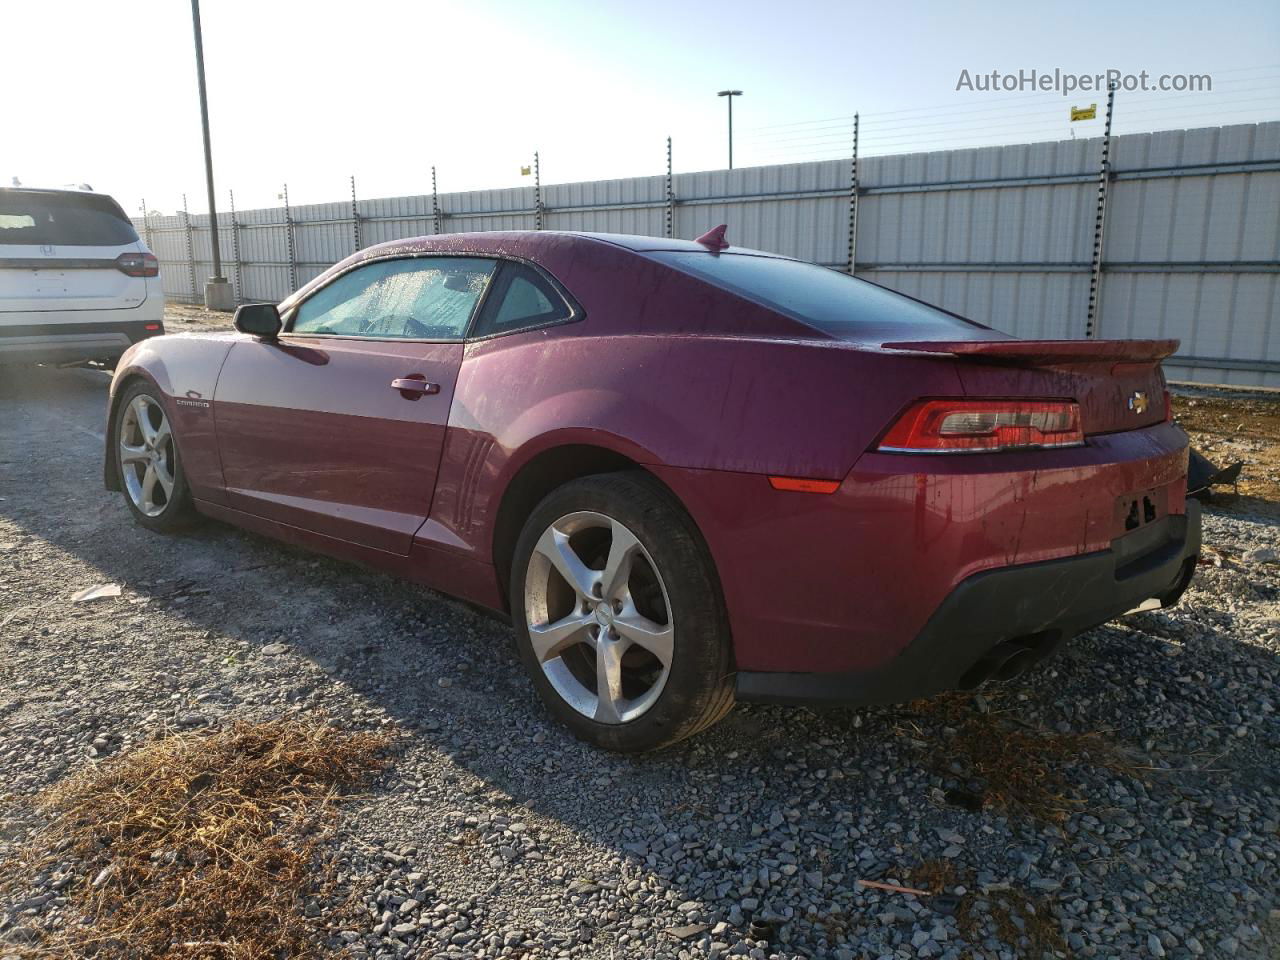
<point>1005,234</point>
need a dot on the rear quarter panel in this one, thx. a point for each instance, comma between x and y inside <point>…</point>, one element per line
<point>749,406</point>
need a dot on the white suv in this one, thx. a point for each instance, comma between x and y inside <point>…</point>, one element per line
<point>76,283</point>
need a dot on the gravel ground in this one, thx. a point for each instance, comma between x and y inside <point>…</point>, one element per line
<point>186,317</point>
<point>1144,822</point>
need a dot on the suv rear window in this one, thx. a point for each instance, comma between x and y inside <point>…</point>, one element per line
<point>69,219</point>
<point>835,303</point>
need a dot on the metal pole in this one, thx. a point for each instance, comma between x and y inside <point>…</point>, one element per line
<point>235,243</point>
<point>671,197</point>
<point>435,203</point>
<point>191,250</point>
<point>1100,222</point>
<point>853,202</point>
<point>537,193</point>
<point>731,131</point>
<point>208,150</point>
<point>288,236</point>
<point>355,215</point>
<point>730,94</point>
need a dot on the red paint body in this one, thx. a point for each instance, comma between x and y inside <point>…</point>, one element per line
<point>710,392</point>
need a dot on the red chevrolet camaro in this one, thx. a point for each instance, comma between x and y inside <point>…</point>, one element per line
<point>689,473</point>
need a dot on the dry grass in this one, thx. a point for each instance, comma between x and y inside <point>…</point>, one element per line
<point>199,845</point>
<point>1038,924</point>
<point>1022,769</point>
<point>933,875</point>
<point>1040,932</point>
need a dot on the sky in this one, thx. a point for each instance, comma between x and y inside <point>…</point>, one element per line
<point>312,93</point>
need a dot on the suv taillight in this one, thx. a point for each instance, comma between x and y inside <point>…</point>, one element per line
<point>984,426</point>
<point>138,264</point>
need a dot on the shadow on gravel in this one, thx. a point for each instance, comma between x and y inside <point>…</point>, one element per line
<point>827,798</point>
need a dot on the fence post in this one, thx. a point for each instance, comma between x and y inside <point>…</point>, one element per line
<point>191,250</point>
<point>853,202</point>
<point>1100,222</point>
<point>355,215</point>
<point>235,244</point>
<point>435,202</point>
<point>146,226</point>
<point>288,239</point>
<point>671,197</point>
<point>537,193</point>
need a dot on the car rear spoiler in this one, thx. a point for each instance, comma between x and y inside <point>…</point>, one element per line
<point>1035,352</point>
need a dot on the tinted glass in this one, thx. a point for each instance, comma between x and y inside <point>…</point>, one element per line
<point>834,303</point>
<point>523,298</point>
<point>69,219</point>
<point>423,298</point>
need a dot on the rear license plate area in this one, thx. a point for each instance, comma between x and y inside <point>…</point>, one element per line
<point>1133,511</point>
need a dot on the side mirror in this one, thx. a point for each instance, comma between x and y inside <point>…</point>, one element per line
<point>258,319</point>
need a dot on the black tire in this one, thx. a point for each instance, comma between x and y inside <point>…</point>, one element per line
<point>178,512</point>
<point>699,684</point>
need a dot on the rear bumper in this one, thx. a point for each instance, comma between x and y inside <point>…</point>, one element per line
<point>103,339</point>
<point>999,621</point>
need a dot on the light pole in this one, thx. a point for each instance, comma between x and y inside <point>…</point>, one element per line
<point>217,292</point>
<point>730,94</point>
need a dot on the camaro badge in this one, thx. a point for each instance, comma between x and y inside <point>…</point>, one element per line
<point>1138,402</point>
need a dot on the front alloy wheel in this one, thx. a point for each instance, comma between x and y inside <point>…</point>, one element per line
<point>146,455</point>
<point>147,460</point>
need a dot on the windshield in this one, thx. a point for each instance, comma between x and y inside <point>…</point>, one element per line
<point>835,303</point>
<point>69,219</point>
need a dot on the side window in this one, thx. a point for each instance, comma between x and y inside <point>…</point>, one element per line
<point>418,298</point>
<point>522,298</point>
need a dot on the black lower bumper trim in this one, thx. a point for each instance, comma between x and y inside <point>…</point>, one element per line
<point>69,342</point>
<point>1044,603</point>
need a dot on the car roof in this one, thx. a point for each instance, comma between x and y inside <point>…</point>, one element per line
<point>642,244</point>
<point>77,191</point>
<point>535,245</point>
<point>530,241</point>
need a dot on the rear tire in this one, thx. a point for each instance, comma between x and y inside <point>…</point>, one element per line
<point>612,588</point>
<point>149,467</point>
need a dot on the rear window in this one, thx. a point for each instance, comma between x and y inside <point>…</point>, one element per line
<point>68,219</point>
<point>835,303</point>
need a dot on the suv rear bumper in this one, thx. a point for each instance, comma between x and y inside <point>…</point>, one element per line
<point>70,342</point>
<point>998,622</point>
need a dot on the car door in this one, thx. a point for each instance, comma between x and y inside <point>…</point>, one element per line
<point>338,426</point>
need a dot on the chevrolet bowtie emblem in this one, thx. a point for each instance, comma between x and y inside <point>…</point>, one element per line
<point>1138,402</point>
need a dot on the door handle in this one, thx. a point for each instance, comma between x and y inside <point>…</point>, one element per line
<point>415,386</point>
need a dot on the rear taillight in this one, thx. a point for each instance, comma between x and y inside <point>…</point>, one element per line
<point>984,426</point>
<point>138,264</point>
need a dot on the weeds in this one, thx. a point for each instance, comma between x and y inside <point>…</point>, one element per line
<point>1023,922</point>
<point>1021,768</point>
<point>197,846</point>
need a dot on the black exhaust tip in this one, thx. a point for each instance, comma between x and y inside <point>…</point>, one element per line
<point>1017,664</point>
<point>1009,659</point>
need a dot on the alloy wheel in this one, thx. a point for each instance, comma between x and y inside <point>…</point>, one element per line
<point>599,617</point>
<point>146,455</point>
